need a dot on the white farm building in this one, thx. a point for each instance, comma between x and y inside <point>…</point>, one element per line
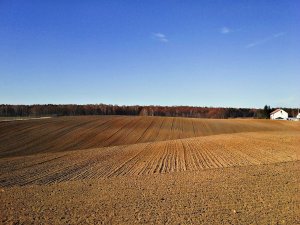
<point>279,114</point>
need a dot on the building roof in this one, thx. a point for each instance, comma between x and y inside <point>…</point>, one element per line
<point>275,111</point>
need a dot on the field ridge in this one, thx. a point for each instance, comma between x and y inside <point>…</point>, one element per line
<point>190,154</point>
<point>71,133</point>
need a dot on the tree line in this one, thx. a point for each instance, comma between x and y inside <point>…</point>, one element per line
<point>104,109</point>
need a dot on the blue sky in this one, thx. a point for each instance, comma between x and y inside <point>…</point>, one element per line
<point>203,53</point>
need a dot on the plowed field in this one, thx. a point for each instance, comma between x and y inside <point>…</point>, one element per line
<point>73,133</point>
<point>149,170</point>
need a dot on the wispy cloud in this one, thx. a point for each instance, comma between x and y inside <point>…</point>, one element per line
<point>225,30</point>
<point>264,40</point>
<point>160,37</point>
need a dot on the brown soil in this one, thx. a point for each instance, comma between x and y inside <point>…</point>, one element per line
<point>82,132</point>
<point>177,171</point>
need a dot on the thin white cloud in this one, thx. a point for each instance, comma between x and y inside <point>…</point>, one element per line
<point>160,37</point>
<point>279,34</point>
<point>264,40</point>
<point>225,30</point>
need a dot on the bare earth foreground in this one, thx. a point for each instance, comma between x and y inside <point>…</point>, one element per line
<point>149,170</point>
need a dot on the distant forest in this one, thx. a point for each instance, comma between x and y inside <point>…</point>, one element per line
<point>103,109</point>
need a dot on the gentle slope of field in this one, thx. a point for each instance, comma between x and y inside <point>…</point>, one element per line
<point>149,170</point>
<point>73,133</point>
<point>191,154</point>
